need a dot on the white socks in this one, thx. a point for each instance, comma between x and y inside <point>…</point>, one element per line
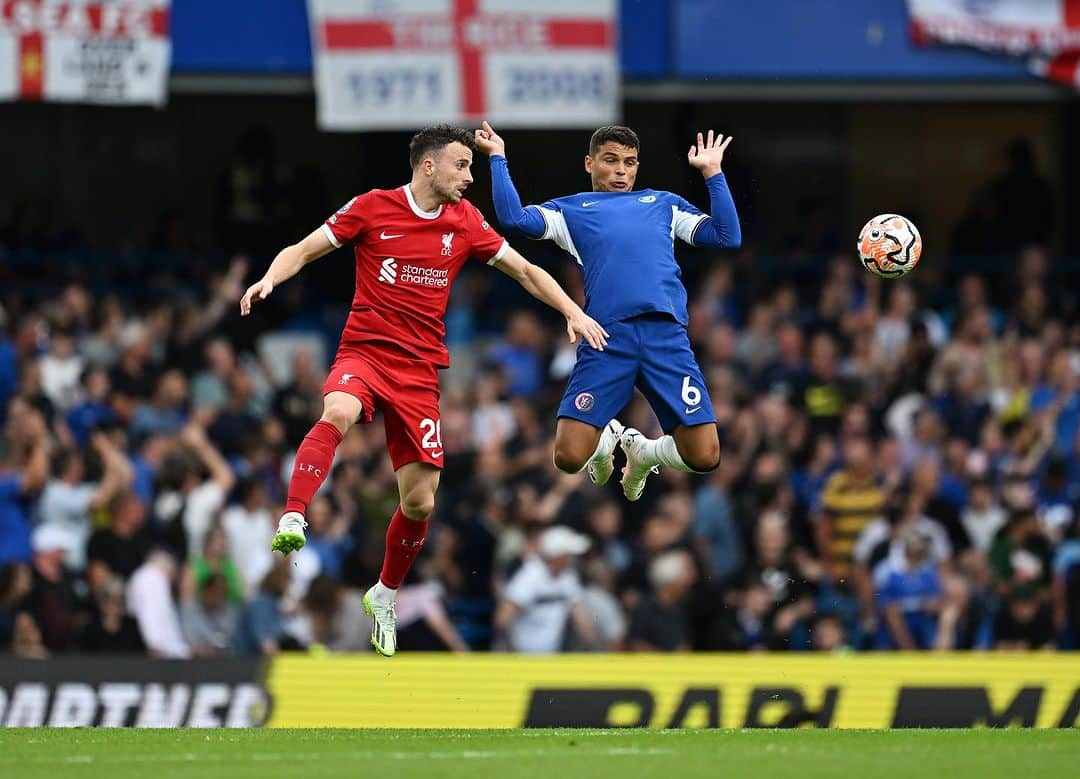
<point>662,451</point>
<point>599,450</point>
<point>382,593</point>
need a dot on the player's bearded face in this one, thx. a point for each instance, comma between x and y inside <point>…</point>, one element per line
<point>451,172</point>
<point>613,167</point>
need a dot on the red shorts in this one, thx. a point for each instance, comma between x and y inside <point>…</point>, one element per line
<point>404,389</point>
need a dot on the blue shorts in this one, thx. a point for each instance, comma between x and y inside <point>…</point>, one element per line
<point>651,352</point>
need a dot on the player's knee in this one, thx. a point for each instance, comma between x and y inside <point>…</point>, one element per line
<point>339,415</point>
<point>418,504</point>
<point>567,460</point>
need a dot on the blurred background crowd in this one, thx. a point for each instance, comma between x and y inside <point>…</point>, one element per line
<point>900,460</point>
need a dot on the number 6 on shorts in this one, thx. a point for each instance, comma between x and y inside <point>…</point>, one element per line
<point>691,395</point>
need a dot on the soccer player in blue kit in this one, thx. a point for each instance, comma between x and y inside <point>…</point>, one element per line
<point>623,239</point>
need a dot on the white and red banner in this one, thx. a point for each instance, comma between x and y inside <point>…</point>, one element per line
<point>406,63</point>
<point>1045,32</point>
<point>84,51</point>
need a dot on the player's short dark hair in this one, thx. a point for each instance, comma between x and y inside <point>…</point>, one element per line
<point>623,136</point>
<point>436,137</point>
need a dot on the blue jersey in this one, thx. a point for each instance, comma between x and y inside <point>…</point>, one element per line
<point>624,243</point>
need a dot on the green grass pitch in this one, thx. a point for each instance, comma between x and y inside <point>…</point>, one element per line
<point>544,754</point>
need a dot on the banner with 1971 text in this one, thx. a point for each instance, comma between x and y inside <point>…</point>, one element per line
<point>402,64</point>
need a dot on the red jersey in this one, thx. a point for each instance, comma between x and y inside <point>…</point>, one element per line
<point>406,260</point>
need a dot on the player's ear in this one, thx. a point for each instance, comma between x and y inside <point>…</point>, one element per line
<point>588,163</point>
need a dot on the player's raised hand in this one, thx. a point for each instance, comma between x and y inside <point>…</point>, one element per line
<point>708,154</point>
<point>260,290</point>
<point>588,328</point>
<point>490,142</point>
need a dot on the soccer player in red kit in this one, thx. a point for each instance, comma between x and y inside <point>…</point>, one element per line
<point>410,244</point>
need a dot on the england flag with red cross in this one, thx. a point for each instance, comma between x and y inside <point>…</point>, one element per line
<point>1044,32</point>
<point>406,63</point>
<point>85,51</point>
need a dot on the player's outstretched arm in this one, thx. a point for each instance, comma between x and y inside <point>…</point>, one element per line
<point>722,230</point>
<point>539,283</point>
<point>508,206</point>
<point>287,264</point>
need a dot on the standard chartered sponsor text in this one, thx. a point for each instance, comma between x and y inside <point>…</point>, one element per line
<point>428,277</point>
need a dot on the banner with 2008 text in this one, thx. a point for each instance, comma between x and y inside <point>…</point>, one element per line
<point>85,51</point>
<point>402,64</point>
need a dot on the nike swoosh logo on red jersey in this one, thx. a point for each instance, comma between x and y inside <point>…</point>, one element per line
<point>386,237</point>
<point>435,456</point>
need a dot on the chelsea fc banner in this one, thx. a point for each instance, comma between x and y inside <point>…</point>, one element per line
<point>1044,32</point>
<point>400,64</point>
<point>85,51</point>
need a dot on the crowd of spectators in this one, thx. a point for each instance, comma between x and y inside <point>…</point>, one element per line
<point>900,469</point>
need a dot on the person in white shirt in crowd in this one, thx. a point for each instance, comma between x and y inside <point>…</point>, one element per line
<point>195,499</point>
<point>880,540</point>
<point>984,516</point>
<point>599,601</point>
<point>150,602</point>
<point>903,511</point>
<point>544,594</point>
<point>61,368</point>
<point>67,500</point>
<point>333,617</point>
<point>250,527</point>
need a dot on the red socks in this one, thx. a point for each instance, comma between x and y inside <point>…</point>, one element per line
<point>314,459</point>
<point>404,540</point>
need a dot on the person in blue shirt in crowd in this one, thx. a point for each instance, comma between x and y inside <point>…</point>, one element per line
<point>623,239</point>
<point>24,469</point>
<point>909,593</point>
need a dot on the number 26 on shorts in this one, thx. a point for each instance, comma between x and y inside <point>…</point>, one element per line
<point>432,433</point>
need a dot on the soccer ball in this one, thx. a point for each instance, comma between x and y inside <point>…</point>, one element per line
<point>889,246</point>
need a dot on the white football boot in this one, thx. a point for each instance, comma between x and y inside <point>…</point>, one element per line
<point>602,464</point>
<point>637,469</point>
<point>383,624</point>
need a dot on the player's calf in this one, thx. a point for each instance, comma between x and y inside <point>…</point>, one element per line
<point>697,449</point>
<point>701,462</point>
<point>645,455</point>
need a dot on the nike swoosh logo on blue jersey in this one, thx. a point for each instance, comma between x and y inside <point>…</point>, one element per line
<point>587,203</point>
<point>692,410</point>
<point>386,237</point>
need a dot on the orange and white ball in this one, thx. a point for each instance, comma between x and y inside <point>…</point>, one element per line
<point>889,246</point>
